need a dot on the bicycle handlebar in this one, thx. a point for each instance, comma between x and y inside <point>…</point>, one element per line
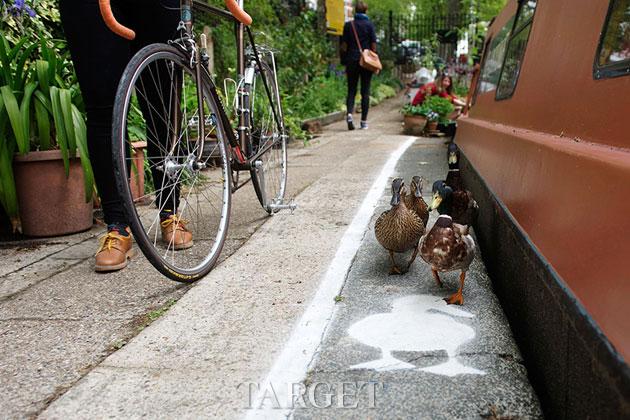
<point>240,14</point>
<point>111,22</point>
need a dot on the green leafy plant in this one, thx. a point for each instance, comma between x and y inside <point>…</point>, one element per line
<point>431,46</point>
<point>30,19</point>
<point>409,109</point>
<point>434,108</point>
<point>437,105</point>
<point>40,109</point>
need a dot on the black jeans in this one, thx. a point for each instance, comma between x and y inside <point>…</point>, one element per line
<point>100,57</point>
<point>354,72</point>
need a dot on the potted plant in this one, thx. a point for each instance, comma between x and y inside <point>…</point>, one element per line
<point>432,121</point>
<point>437,110</point>
<point>45,172</point>
<point>414,119</point>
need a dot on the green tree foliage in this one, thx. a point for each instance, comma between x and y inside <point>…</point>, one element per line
<point>397,6</point>
<point>485,9</point>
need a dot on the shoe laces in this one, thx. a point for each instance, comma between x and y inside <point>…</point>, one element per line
<point>108,241</point>
<point>180,223</point>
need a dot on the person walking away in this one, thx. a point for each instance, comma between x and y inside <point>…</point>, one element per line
<point>100,57</point>
<point>350,57</point>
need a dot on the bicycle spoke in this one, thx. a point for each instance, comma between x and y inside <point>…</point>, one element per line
<point>186,174</point>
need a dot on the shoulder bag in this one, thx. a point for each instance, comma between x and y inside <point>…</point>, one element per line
<point>369,59</point>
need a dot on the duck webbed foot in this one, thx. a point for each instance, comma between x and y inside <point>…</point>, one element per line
<point>436,276</point>
<point>394,269</point>
<point>457,298</point>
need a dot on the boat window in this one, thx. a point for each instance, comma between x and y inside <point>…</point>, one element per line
<point>493,59</point>
<point>613,55</point>
<point>516,49</point>
<point>526,14</point>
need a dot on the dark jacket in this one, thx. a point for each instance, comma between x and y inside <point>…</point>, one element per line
<point>366,33</point>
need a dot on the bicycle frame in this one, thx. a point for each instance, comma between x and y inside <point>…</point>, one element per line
<point>242,139</point>
<point>239,141</point>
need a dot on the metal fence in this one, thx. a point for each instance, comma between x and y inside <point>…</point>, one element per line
<point>396,29</point>
<point>404,38</point>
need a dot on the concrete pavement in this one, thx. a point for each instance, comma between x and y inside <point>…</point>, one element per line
<point>230,326</point>
<point>59,319</point>
<point>205,356</point>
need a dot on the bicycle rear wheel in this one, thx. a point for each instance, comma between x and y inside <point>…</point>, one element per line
<point>269,174</point>
<point>187,176</point>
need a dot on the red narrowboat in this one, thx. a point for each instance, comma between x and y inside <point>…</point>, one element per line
<point>546,147</point>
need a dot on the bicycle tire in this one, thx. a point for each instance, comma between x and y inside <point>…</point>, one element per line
<point>270,179</point>
<point>177,64</point>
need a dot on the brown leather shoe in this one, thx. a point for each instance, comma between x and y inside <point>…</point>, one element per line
<point>114,251</point>
<point>174,233</point>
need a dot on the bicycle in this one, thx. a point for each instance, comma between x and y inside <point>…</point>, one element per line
<point>168,98</point>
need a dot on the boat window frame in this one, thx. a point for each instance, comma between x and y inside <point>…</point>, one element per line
<point>488,50</point>
<point>621,68</point>
<point>513,34</point>
<point>482,64</point>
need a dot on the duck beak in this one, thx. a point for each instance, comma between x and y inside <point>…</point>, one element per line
<point>418,191</point>
<point>437,200</point>
<point>452,158</point>
<point>395,199</point>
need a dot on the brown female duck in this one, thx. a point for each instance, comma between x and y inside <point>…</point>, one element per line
<point>414,200</point>
<point>399,229</point>
<point>447,247</point>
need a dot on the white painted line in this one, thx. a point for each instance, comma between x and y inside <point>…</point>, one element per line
<point>293,363</point>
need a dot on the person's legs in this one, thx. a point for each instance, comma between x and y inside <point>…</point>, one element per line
<point>366,80</point>
<point>352,73</point>
<point>99,58</point>
<point>156,21</point>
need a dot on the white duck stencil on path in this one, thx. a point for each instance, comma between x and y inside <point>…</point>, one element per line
<point>412,325</point>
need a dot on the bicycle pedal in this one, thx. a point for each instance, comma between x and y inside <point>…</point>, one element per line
<point>292,205</point>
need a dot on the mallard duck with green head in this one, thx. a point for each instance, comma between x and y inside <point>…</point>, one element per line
<point>414,200</point>
<point>460,205</point>
<point>448,246</point>
<point>453,178</point>
<point>399,229</point>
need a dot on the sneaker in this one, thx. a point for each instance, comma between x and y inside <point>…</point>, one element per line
<point>350,122</point>
<point>174,233</point>
<point>364,125</point>
<point>115,249</point>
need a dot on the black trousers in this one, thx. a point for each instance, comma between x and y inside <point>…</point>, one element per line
<point>100,57</point>
<point>354,72</point>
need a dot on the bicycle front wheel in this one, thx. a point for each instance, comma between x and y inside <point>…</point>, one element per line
<point>174,182</point>
<point>268,138</point>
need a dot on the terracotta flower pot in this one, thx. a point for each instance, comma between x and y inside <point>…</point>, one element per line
<point>51,204</point>
<point>414,124</point>
<point>432,126</point>
<point>136,181</point>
